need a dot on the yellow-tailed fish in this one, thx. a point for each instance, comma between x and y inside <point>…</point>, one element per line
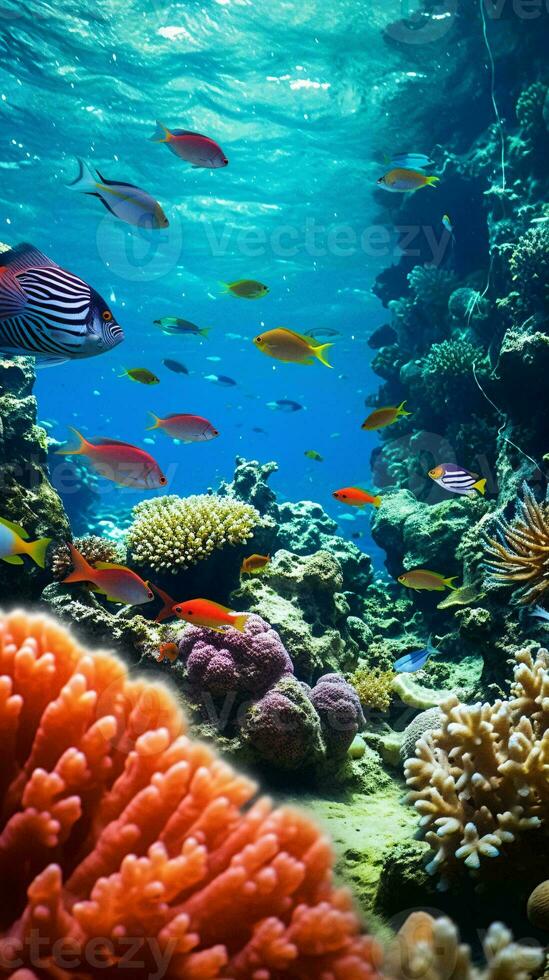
<point>422,579</point>
<point>125,201</point>
<point>401,180</point>
<point>290,347</point>
<point>14,542</point>
<point>245,288</point>
<point>382,417</point>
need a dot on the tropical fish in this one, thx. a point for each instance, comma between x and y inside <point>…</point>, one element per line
<point>356,497</point>
<point>175,325</point>
<point>537,612</point>
<point>457,480</point>
<point>49,313</point>
<point>204,612</point>
<point>254,564</point>
<point>447,224</point>
<point>126,465</point>
<point>421,578</point>
<point>382,417</point>
<point>188,428</point>
<point>312,454</point>
<point>400,180</point>
<point>167,651</point>
<point>290,347</point>
<point>176,366</point>
<point>125,201</point>
<point>411,161</point>
<point>246,288</point>
<point>285,405</point>
<point>143,375</point>
<point>200,151</point>
<point>322,332</point>
<point>415,660</point>
<point>116,582</point>
<point>463,596</point>
<point>220,379</point>
<point>14,542</point>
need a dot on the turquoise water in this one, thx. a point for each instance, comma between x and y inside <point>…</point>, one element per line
<point>306,101</point>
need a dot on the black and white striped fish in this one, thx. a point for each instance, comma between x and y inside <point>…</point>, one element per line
<point>454,478</point>
<point>49,313</point>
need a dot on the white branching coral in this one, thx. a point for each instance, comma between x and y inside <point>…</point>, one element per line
<point>431,949</point>
<point>480,779</point>
<point>171,533</point>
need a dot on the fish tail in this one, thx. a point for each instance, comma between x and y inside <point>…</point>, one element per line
<point>81,570</point>
<point>239,622</point>
<point>85,182</point>
<point>37,551</point>
<point>431,181</point>
<point>319,353</point>
<point>161,134</point>
<point>169,603</point>
<point>448,582</point>
<point>156,422</point>
<point>480,485</point>
<point>77,450</point>
<point>401,410</point>
<point>225,288</point>
<point>377,501</point>
<point>205,331</point>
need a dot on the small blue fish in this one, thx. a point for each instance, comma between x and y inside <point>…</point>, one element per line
<point>414,161</point>
<point>416,660</point>
<point>538,613</point>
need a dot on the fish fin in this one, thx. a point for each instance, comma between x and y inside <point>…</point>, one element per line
<point>377,501</point>
<point>161,134</point>
<point>85,181</point>
<point>167,608</point>
<point>319,353</point>
<point>108,564</point>
<point>401,410</point>
<point>225,287</point>
<point>204,332</point>
<point>37,551</point>
<point>124,375</point>
<point>431,181</point>
<point>24,256</point>
<point>47,360</point>
<point>13,560</point>
<point>240,622</point>
<point>77,450</point>
<point>480,486</point>
<point>156,422</point>
<point>448,582</point>
<point>82,571</point>
<point>15,528</point>
<point>112,598</point>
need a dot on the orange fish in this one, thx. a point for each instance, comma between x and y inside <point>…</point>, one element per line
<point>254,564</point>
<point>421,578</point>
<point>356,497</point>
<point>382,417</point>
<point>126,465</point>
<point>204,612</point>
<point>167,651</point>
<point>116,582</point>
<point>402,180</point>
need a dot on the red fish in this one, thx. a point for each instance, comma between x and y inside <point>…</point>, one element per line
<point>116,582</point>
<point>188,428</point>
<point>199,150</point>
<point>356,497</point>
<point>126,465</point>
<point>167,651</point>
<point>201,612</point>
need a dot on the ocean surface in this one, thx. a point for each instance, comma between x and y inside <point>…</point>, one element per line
<point>297,96</point>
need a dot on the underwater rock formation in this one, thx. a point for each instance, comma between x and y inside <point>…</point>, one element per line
<point>338,707</point>
<point>479,780</point>
<point>116,827</point>
<point>29,498</point>
<point>283,728</point>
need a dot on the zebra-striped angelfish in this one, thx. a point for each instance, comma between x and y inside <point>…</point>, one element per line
<point>454,478</point>
<point>49,313</point>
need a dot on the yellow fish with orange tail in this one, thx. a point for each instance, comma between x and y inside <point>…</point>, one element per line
<point>291,347</point>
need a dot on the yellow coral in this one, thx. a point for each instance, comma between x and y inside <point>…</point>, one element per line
<point>171,533</point>
<point>374,687</point>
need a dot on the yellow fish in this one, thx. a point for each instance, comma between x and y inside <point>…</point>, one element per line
<point>312,454</point>
<point>382,417</point>
<point>401,180</point>
<point>246,288</point>
<point>143,375</point>
<point>14,543</point>
<point>293,348</point>
<point>421,578</point>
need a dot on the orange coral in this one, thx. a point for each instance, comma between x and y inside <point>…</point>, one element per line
<point>123,844</point>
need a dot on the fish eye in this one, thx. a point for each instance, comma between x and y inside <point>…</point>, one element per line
<point>258,340</point>
<point>163,481</point>
<point>150,595</point>
<point>177,609</point>
<point>107,316</point>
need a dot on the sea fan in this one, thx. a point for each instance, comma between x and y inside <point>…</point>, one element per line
<point>519,556</point>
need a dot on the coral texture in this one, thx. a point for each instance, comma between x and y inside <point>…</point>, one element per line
<point>538,906</point>
<point>519,556</point>
<point>171,533</point>
<point>242,664</point>
<point>374,687</point>
<point>123,843</point>
<point>283,727</point>
<point>479,782</point>
<point>92,547</point>
<point>339,710</point>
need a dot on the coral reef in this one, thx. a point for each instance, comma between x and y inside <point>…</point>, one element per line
<point>338,707</point>
<point>518,557</point>
<point>117,828</point>
<point>172,533</point>
<point>283,727</point>
<point>479,781</point>
<point>419,727</point>
<point>29,498</point>
<point>538,906</point>
<point>374,687</point>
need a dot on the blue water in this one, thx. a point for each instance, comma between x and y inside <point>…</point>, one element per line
<point>295,94</point>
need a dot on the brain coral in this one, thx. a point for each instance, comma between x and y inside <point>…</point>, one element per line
<point>479,780</point>
<point>124,844</point>
<point>283,727</point>
<point>339,710</point>
<point>171,533</point>
<point>245,664</point>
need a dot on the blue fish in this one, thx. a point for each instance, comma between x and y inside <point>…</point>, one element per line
<point>411,662</point>
<point>413,161</point>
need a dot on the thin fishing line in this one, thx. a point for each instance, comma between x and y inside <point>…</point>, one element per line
<point>493,92</point>
<point>504,423</point>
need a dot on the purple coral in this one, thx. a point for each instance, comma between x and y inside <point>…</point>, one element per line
<point>339,710</point>
<point>247,663</point>
<point>283,727</point>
